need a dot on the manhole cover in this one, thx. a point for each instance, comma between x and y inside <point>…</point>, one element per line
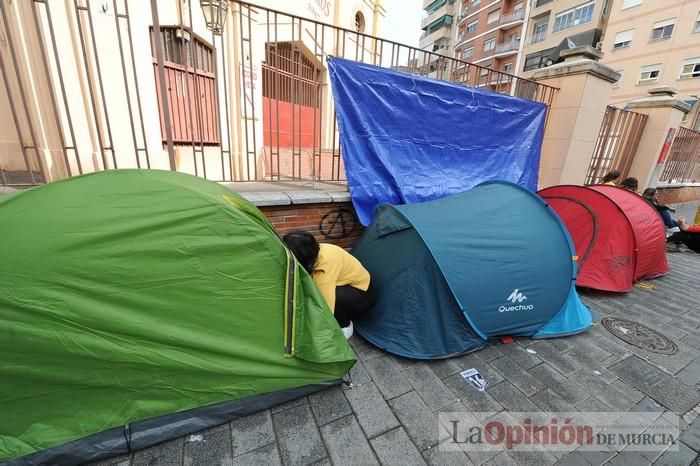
<point>640,336</point>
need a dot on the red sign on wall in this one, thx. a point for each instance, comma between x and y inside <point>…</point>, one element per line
<point>667,145</point>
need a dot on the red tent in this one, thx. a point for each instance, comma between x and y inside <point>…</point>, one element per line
<point>619,236</point>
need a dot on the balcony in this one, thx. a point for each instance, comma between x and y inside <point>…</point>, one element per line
<point>428,39</point>
<point>445,10</point>
<point>512,18</point>
<point>507,48</point>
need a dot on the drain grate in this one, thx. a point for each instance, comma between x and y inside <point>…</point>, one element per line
<point>639,335</point>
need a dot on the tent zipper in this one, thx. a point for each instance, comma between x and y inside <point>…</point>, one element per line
<point>289,307</point>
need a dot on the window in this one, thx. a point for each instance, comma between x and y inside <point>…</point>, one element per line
<point>539,3</point>
<point>649,74</point>
<point>696,27</point>
<point>467,53</point>
<point>489,45</point>
<point>539,59</point>
<point>493,16</point>
<point>690,68</point>
<point>475,3</point>
<point>508,68</point>
<point>188,60</point>
<point>630,3</point>
<point>517,7</point>
<point>539,33</point>
<point>484,71</point>
<point>359,22</point>
<point>623,39</point>
<point>471,27</point>
<point>581,14</point>
<point>662,29</point>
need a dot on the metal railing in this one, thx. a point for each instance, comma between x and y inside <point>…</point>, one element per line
<point>271,116</point>
<point>538,37</point>
<point>683,162</point>
<point>508,47</point>
<point>618,140</point>
<point>507,18</point>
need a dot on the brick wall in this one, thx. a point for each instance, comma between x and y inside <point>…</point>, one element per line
<point>678,195</point>
<point>329,222</point>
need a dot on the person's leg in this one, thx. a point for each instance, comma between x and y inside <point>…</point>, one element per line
<point>692,240</point>
<point>351,303</point>
<point>668,220</point>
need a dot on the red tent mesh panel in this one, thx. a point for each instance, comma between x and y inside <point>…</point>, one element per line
<point>617,237</point>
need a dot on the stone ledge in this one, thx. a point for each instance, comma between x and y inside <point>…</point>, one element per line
<point>269,198</point>
<point>7,190</point>
<point>578,60</point>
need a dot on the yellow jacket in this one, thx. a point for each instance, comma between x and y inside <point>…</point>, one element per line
<point>336,267</point>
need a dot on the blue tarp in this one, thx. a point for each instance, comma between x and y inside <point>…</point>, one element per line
<point>406,138</point>
<point>451,273</point>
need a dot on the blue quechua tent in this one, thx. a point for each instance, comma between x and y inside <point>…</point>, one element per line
<point>451,273</point>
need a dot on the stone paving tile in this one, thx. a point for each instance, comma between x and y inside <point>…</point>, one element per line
<point>520,356</point>
<point>297,436</point>
<point>429,387</point>
<point>590,365</point>
<point>562,362</point>
<point>122,460</point>
<point>628,458</point>
<point>549,401</point>
<point>252,432</point>
<point>489,352</point>
<point>329,405</point>
<point>501,459</point>
<point>584,344</point>
<point>473,399</point>
<point>684,456</point>
<point>388,377</point>
<point>573,459</point>
<point>208,448</point>
<point>417,418</point>
<point>439,457</point>
<point>268,455</point>
<point>532,458</point>
<point>163,454</point>
<point>690,374</point>
<point>628,390</point>
<point>395,448</point>
<point>691,435</point>
<point>474,361</point>
<point>596,458</point>
<point>346,443</point>
<point>567,389</point>
<point>511,398</point>
<point>358,375</point>
<point>444,368</point>
<point>289,404</point>
<point>363,349</point>
<point>654,382</point>
<point>372,411</point>
<point>519,377</point>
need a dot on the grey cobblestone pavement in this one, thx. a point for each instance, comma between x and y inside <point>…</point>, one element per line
<point>390,415</point>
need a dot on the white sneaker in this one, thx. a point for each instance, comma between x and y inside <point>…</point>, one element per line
<point>673,230</point>
<point>348,331</point>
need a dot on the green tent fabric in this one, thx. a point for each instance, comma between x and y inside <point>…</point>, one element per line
<point>129,295</point>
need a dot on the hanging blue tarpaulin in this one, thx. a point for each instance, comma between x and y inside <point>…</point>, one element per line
<point>406,138</point>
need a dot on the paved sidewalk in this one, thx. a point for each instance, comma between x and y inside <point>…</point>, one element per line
<point>389,416</point>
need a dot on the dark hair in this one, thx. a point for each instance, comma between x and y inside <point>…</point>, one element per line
<point>304,247</point>
<point>630,184</point>
<point>611,176</point>
<point>648,193</point>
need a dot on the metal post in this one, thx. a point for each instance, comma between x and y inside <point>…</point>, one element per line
<point>161,80</point>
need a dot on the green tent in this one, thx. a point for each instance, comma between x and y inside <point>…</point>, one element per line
<point>141,305</point>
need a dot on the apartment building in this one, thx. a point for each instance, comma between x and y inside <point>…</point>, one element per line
<point>556,25</point>
<point>653,43</point>
<point>437,25</point>
<point>489,33</point>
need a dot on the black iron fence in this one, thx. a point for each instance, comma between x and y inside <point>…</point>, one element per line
<point>253,104</point>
